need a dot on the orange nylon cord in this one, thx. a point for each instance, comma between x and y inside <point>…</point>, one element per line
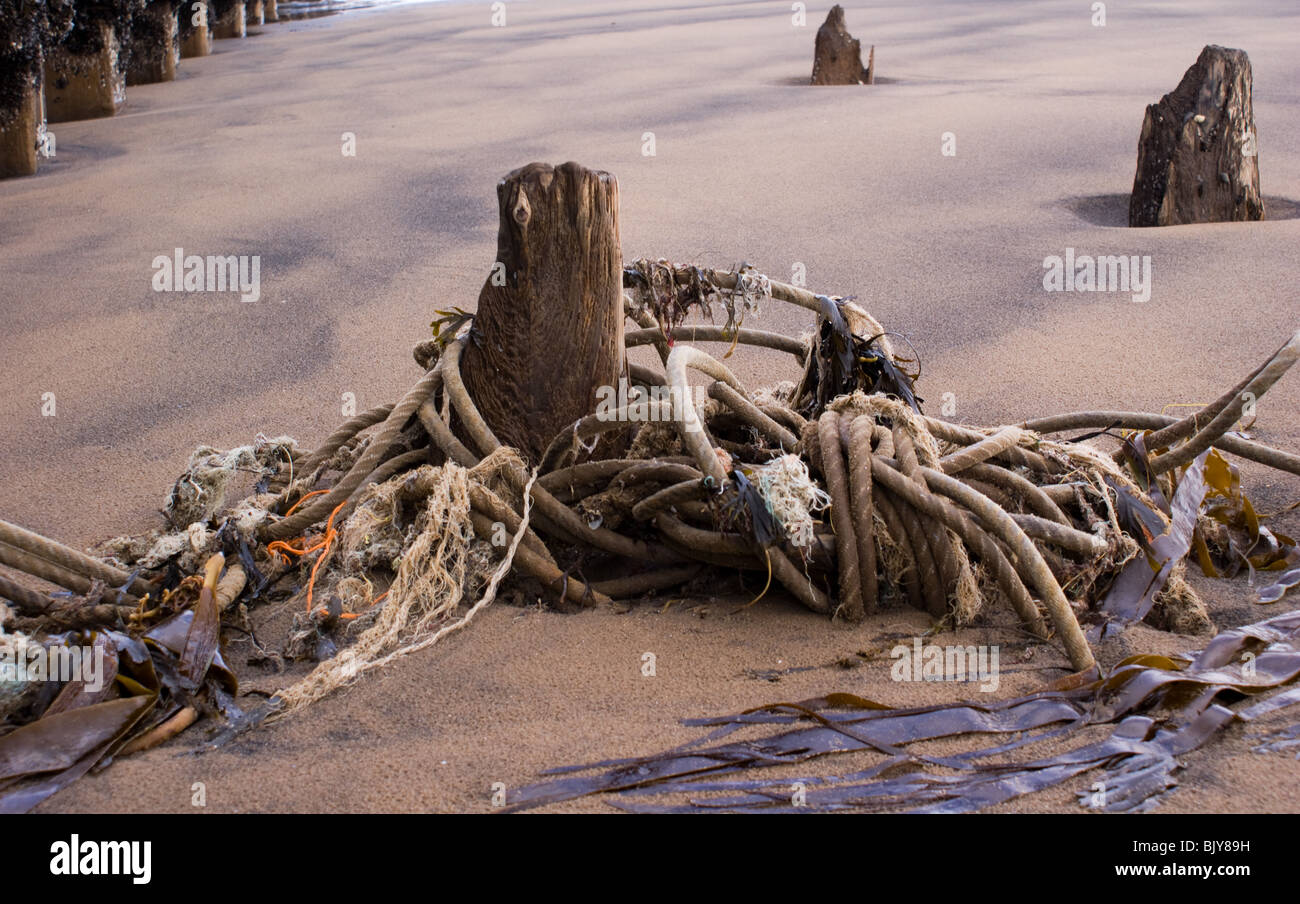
<point>348,616</point>
<point>293,508</point>
<point>325,545</point>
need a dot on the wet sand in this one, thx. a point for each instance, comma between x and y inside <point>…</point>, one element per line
<point>241,155</point>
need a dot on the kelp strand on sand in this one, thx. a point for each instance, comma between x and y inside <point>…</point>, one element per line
<point>838,488</point>
<point>1137,761</point>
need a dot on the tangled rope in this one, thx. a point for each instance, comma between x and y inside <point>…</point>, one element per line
<point>837,487</point>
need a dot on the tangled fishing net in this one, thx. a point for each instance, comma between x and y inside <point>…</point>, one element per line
<point>439,562</point>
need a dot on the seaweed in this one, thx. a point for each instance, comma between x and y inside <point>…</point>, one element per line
<point>1138,759</point>
<point>669,292</point>
<point>1134,591</point>
<point>847,362</point>
<point>150,680</point>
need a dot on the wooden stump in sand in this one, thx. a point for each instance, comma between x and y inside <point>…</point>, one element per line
<point>195,18</point>
<point>254,12</point>
<point>155,44</point>
<point>549,327</point>
<point>230,21</point>
<point>20,131</point>
<point>1197,158</point>
<point>269,11</point>
<point>85,85</point>
<point>837,56</point>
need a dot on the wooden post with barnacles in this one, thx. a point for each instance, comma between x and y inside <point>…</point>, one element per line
<point>549,328</point>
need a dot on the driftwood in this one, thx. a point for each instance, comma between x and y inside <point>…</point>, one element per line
<point>1197,157</point>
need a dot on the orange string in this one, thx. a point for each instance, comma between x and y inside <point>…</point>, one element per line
<point>294,507</point>
<point>348,616</point>
<point>324,545</point>
<point>281,548</point>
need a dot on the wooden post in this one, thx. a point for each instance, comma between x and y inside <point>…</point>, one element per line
<point>20,131</point>
<point>198,44</point>
<point>549,327</point>
<point>155,44</point>
<point>85,85</point>
<point>837,55</point>
<point>269,11</point>
<point>1198,154</point>
<point>254,12</point>
<point>195,26</point>
<point>230,21</point>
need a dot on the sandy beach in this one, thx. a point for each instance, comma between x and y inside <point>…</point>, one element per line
<point>241,156</point>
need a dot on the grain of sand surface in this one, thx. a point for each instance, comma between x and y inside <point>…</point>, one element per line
<point>241,155</point>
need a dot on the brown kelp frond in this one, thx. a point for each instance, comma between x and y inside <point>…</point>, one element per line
<point>1160,709</point>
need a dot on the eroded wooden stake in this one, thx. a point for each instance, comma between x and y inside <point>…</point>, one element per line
<point>549,327</point>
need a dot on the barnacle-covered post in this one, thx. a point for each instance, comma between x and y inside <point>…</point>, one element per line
<point>27,31</point>
<point>85,77</point>
<point>155,44</point>
<point>549,329</point>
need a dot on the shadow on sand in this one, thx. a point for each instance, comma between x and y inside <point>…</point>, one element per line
<point>1112,210</point>
<point>802,81</point>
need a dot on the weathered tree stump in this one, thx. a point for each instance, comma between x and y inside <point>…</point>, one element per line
<point>155,44</point>
<point>837,55</point>
<point>254,12</point>
<point>230,21</point>
<point>549,327</point>
<point>194,22</point>
<point>269,11</point>
<point>1197,158</point>
<point>84,79</point>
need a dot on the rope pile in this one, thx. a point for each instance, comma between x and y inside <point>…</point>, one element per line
<point>837,487</point>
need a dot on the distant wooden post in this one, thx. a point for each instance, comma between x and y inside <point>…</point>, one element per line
<point>837,55</point>
<point>269,11</point>
<point>550,315</point>
<point>155,44</point>
<point>254,12</point>
<point>230,21</point>
<point>195,18</point>
<point>1198,156</point>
